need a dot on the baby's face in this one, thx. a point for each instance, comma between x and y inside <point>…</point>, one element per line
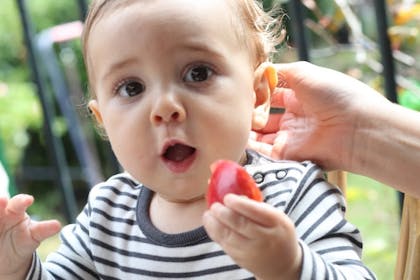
<point>174,90</point>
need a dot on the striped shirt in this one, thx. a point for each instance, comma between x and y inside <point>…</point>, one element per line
<point>114,238</point>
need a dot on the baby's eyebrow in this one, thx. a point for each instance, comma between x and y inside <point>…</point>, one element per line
<point>199,47</point>
<point>118,65</point>
<point>203,49</point>
<point>193,44</point>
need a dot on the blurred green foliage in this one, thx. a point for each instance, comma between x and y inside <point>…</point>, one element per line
<point>45,13</point>
<point>12,51</point>
<point>19,107</point>
<point>411,98</point>
<point>380,227</point>
<point>20,111</point>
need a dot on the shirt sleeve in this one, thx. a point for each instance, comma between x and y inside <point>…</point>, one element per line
<point>73,259</point>
<point>331,245</point>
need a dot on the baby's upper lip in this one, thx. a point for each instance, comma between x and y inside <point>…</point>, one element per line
<point>170,143</point>
<point>176,150</point>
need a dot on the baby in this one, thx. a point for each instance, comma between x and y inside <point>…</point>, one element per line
<point>177,85</point>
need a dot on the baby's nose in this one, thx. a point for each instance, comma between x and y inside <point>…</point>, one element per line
<point>168,109</point>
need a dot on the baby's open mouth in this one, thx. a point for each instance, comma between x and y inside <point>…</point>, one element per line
<point>178,152</point>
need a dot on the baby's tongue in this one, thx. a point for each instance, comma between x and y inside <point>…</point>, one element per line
<point>178,152</point>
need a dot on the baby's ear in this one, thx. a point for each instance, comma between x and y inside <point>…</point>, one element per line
<point>265,81</point>
<point>94,108</point>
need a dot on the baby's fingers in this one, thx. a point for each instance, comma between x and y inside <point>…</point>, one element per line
<point>26,241</point>
<point>3,204</point>
<point>43,230</point>
<point>218,231</point>
<point>13,211</point>
<point>261,214</point>
<point>18,204</point>
<point>15,222</point>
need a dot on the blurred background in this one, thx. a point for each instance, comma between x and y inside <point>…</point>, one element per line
<point>49,146</point>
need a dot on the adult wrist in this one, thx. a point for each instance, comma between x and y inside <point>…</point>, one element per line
<point>368,132</point>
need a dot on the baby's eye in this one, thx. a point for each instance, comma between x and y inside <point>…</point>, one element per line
<point>130,88</point>
<point>198,73</point>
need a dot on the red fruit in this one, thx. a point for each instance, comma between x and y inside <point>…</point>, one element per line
<point>229,177</point>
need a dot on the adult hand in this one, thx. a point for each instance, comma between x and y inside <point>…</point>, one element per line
<point>20,236</point>
<point>323,108</point>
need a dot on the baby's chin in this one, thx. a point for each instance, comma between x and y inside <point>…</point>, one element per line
<point>192,199</point>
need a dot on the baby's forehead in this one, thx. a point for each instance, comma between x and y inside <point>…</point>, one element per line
<point>229,13</point>
<point>199,19</point>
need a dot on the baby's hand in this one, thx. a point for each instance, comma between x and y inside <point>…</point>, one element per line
<point>257,236</point>
<point>20,236</point>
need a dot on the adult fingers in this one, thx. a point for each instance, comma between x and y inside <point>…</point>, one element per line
<point>277,97</point>
<point>261,144</point>
<point>272,145</point>
<point>290,73</point>
<point>273,124</point>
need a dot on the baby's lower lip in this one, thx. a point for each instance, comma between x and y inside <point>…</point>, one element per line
<point>180,166</point>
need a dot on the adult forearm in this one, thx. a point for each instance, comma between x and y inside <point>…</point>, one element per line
<point>387,147</point>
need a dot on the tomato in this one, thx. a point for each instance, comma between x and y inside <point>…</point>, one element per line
<point>229,177</point>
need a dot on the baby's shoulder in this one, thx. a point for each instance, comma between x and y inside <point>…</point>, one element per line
<point>284,182</point>
<point>261,166</point>
<point>118,188</point>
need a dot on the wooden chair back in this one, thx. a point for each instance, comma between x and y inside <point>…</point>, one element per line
<point>338,178</point>
<point>408,257</point>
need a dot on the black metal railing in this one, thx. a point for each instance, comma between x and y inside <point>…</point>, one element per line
<point>46,72</point>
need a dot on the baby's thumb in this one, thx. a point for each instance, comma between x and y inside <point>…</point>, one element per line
<point>38,232</point>
<point>42,230</point>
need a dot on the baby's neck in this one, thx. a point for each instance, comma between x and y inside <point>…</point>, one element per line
<point>176,217</point>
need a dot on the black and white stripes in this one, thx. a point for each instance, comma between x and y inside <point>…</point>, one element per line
<point>114,238</point>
